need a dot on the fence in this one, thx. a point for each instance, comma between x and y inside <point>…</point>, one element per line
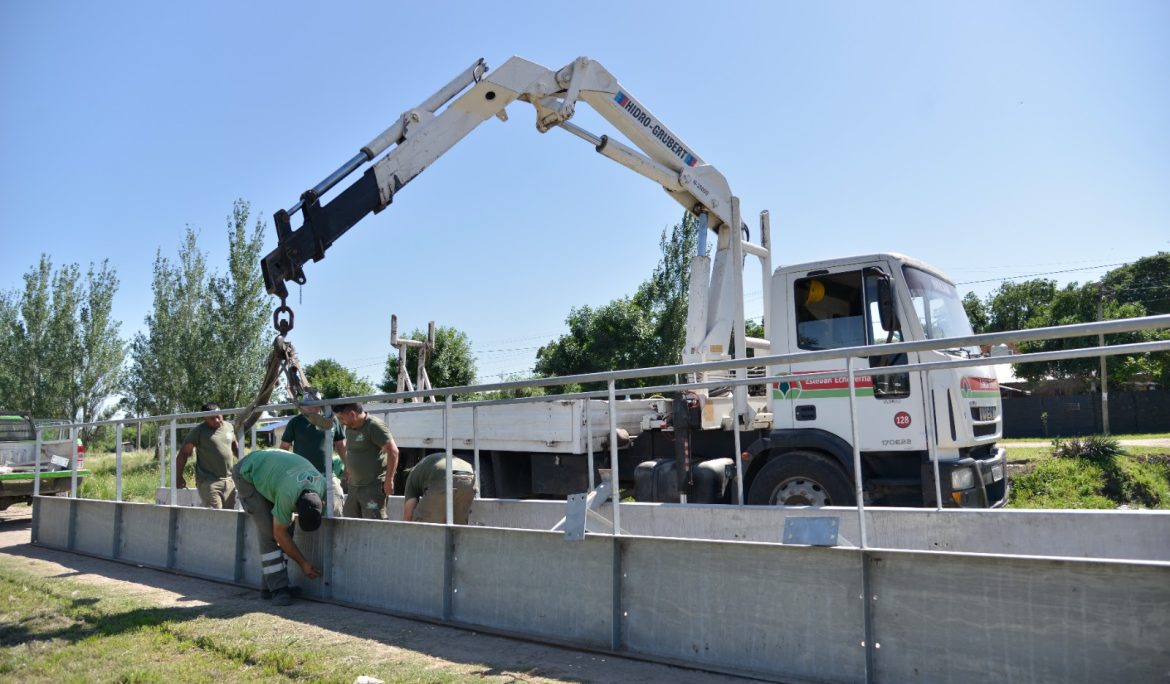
<point>892,595</point>
<point>1080,414</point>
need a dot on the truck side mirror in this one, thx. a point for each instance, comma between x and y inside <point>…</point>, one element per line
<point>887,313</point>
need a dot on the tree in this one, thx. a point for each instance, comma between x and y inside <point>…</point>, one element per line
<point>1145,281</point>
<point>334,380</point>
<point>644,331</point>
<point>103,351</point>
<point>616,336</point>
<point>976,312</point>
<point>450,365</point>
<point>1017,306</point>
<point>239,313</point>
<point>60,354</point>
<point>205,334</point>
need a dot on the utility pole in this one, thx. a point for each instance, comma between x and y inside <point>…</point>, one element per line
<point>1104,371</point>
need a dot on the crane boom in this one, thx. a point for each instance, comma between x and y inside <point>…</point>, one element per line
<point>423,134</point>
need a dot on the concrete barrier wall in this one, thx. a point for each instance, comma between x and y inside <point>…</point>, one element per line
<point>790,612</point>
<point>535,583</point>
<point>793,612</point>
<point>205,542</point>
<point>964,618</point>
<point>94,527</point>
<point>145,534</point>
<point>1122,535</point>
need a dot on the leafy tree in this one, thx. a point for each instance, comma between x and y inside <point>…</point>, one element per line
<point>60,354</point>
<point>450,365</point>
<point>618,335</point>
<point>205,338</point>
<point>239,314</point>
<point>103,351</point>
<point>644,331</point>
<point>1145,281</point>
<point>976,312</point>
<point>1017,306</point>
<point>334,380</point>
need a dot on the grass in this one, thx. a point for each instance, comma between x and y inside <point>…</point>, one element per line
<point>63,630</point>
<point>1048,476</point>
<point>140,476</point>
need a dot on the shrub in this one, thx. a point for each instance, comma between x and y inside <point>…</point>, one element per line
<point>1093,448</point>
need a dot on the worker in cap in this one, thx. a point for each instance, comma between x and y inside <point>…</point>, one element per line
<point>273,484</point>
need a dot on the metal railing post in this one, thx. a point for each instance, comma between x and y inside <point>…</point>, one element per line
<point>159,435</point>
<point>853,428</point>
<point>174,460</point>
<point>589,441</point>
<point>475,445</point>
<point>37,466</point>
<point>118,463</point>
<point>450,459</point>
<point>73,466</point>
<point>738,458</point>
<point>615,478</point>
<point>932,442</point>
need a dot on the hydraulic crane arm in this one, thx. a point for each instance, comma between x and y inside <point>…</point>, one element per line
<point>423,134</point>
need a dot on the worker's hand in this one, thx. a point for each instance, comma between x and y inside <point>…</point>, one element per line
<point>181,482</point>
<point>388,487</point>
<point>309,570</point>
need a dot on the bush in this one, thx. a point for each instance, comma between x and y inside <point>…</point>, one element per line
<point>1093,448</point>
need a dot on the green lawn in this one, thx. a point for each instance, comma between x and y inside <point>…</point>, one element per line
<point>1134,477</point>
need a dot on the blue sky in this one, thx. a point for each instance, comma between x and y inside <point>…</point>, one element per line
<point>991,139</point>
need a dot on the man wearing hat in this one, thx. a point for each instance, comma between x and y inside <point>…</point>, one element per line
<point>272,485</point>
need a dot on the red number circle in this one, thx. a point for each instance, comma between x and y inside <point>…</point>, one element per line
<point>902,419</point>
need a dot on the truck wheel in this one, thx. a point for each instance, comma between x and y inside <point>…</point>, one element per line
<point>801,478</point>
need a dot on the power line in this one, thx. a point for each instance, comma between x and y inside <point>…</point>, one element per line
<point>1037,275</point>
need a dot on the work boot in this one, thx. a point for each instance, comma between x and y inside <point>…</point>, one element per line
<point>265,594</point>
<point>282,597</point>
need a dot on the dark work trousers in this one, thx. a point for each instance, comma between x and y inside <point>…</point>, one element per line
<point>272,561</point>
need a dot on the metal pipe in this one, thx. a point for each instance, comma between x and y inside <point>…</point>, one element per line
<point>118,463</point>
<point>73,467</point>
<point>450,459</point>
<point>615,478</point>
<point>932,444</point>
<point>589,442</point>
<point>174,460</point>
<point>37,466</point>
<point>475,446</point>
<point>858,490</point>
<point>738,458</point>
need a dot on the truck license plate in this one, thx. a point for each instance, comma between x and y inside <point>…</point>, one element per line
<point>996,473</point>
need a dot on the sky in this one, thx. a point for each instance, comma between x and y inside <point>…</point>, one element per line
<point>993,140</point>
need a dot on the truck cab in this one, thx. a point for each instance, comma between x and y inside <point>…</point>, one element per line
<point>904,419</point>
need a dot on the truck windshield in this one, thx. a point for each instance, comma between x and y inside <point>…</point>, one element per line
<point>938,307</point>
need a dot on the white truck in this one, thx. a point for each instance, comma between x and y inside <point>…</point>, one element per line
<point>796,438</point>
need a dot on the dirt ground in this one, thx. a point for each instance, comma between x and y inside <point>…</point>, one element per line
<point>346,629</point>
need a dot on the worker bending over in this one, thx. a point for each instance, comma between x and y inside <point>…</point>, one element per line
<point>426,490</point>
<point>273,484</point>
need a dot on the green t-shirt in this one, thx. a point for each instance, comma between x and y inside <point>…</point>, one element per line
<point>431,471</point>
<point>213,450</point>
<point>280,476</point>
<point>338,466</point>
<point>365,461</point>
<point>310,441</point>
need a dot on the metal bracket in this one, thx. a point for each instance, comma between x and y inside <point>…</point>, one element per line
<point>811,531</point>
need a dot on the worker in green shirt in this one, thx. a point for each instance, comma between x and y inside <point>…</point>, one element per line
<point>303,436</point>
<point>273,484</point>
<point>426,490</point>
<point>371,459</point>
<point>215,447</point>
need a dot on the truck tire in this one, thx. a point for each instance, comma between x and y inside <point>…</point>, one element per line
<point>801,478</point>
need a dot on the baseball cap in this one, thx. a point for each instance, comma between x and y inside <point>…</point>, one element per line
<point>309,511</point>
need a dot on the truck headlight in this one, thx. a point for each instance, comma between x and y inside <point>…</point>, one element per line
<point>962,478</point>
